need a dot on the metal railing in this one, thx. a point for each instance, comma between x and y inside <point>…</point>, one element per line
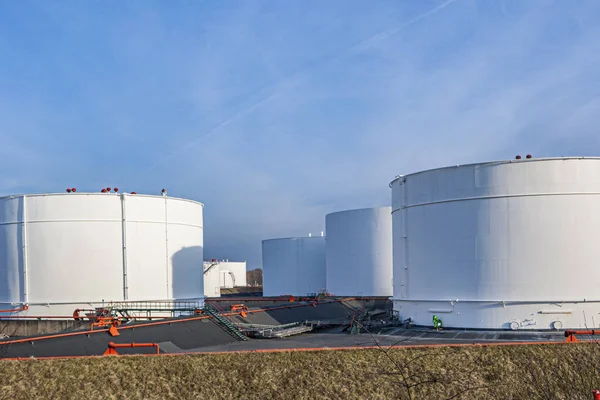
<point>223,322</point>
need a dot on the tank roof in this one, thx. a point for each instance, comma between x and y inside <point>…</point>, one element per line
<point>522,160</point>
<point>12,196</point>
<point>357,209</point>
<point>295,238</point>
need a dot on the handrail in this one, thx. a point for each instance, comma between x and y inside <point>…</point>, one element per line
<point>570,334</point>
<point>112,346</point>
<point>24,307</point>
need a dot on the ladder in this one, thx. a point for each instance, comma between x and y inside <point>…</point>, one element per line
<point>223,322</point>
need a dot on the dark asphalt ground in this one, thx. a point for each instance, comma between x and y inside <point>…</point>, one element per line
<point>393,337</point>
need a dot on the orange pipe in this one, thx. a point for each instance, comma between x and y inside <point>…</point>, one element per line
<point>8,317</point>
<point>588,332</point>
<point>24,307</point>
<point>304,349</point>
<point>59,335</point>
<point>112,346</point>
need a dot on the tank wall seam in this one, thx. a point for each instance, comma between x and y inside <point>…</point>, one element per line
<point>495,197</point>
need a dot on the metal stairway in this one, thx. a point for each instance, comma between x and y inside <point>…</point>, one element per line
<point>223,322</point>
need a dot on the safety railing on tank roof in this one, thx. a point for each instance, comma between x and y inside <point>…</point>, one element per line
<point>154,305</point>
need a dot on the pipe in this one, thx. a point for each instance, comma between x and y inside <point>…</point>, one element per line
<point>24,249</point>
<point>586,332</point>
<point>112,346</point>
<point>83,317</point>
<point>24,307</point>
<point>404,273</point>
<point>169,292</point>
<point>124,243</point>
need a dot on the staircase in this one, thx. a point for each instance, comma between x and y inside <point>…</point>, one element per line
<point>223,322</point>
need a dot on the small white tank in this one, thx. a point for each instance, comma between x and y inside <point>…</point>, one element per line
<point>294,266</point>
<point>359,252</point>
<point>212,287</point>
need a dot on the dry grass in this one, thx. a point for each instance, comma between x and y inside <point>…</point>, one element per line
<point>500,372</point>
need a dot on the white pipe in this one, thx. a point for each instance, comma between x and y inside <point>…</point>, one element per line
<point>24,244</point>
<point>169,292</point>
<point>405,271</point>
<point>504,302</point>
<point>124,240</point>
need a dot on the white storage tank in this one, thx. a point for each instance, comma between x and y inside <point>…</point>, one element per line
<point>59,252</point>
<point>359,252</point>
<point>499,245</point>
<point>232,273</point>
<point>293,266</point>
<point>212,287</point>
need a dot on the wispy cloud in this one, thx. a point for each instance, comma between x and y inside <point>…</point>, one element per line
<point>275,113</point>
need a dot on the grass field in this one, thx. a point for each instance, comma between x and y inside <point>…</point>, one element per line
<point>563,371</point>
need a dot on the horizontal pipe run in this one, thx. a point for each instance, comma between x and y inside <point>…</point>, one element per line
<point>70,317</point>
<point>113,346</point>
<point>583,332</point>
<point>505,302</point>
<point>13,310</point>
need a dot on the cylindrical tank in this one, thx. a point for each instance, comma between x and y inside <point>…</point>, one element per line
<point>294,266</point>
<point>212,287</point>
<point>59,252</point>
<point>359,252</point>
<point>233,273</point>
<point>499,245</point>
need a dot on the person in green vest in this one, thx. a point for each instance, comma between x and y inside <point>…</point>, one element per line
<point>437,323</point>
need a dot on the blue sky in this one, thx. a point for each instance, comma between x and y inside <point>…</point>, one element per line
<point>274,113</point>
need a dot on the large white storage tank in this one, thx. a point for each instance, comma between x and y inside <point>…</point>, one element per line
<point>500,245</point>
<point>294,266</point>
<point>59,252</point>
<point>359,252</point>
